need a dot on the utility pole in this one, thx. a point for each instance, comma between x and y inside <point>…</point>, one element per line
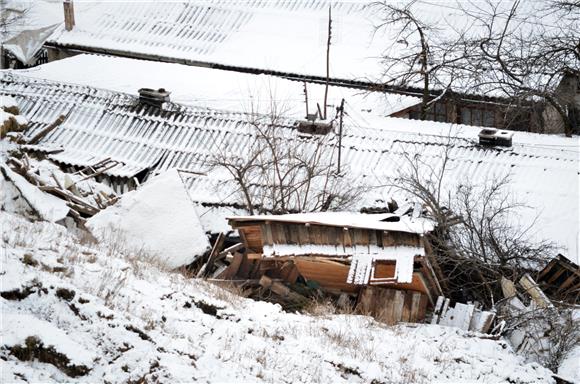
<point>328,58</point>
<point>341,108</point>
<point>306,97</point>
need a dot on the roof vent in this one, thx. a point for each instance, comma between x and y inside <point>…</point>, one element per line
<point>313,127</point>
<point>491,137</point>
<point>153,97</point>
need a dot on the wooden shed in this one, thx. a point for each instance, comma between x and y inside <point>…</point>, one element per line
<point>382,259</point>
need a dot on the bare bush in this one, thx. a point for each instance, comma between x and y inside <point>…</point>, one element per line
<point>279,171</point>
<point>545,335</point>
<point>477,239</point>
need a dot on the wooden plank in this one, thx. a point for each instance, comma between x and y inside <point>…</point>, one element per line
<point>219,243</point>
<point>245,268</point>
<point>303,235</point>
<point>365,301</point>
<point>547,269</point>
<point>537,294</point>
<point>328,275</point>
<point>280,289</point>
<point>398,304</point>
<point>423,308</point>
<point>553,277</point>
<point>406,316</point>
<point>266,234</point>
<point>508,288</point>
<point>567,283</point>
<point>252,236</point>
<point>437,310</point>
<point>347,237</point>
<point>379,238</point>
<point>415,307</point>
<point>289,272</point>
<point>234,266</point>
<point>481,321</point>
<point>234,248</point>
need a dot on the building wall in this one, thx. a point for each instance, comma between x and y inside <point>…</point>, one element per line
<point>568,94</point>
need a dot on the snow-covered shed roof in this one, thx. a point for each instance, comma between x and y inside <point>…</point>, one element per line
<point>381,222</point>
<point>544,169</point>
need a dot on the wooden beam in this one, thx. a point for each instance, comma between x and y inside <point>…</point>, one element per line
<point>234,248</point>
<point>219,243</point>
<point>533,290</point>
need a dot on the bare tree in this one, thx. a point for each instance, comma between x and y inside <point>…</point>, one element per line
<point>279,171</point>
<point>418,56</point>
<point>476,240</point>
<point>521,56</point>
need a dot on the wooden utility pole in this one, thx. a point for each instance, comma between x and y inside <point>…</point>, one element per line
<point>340,133</point>
<point>328,58</point>
<point>306,97</point>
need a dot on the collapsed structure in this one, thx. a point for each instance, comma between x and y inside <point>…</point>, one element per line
<point>381,260</point>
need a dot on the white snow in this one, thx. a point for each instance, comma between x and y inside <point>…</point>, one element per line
<point>145,323</point>
<point>570,367</point>
<point>351,220</point>
<point>158,218</point>
<point>7,102</point>
<point>15,328</point>
<point>205,87</point>
<point>49,207</point>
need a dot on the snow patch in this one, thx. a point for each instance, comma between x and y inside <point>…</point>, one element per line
<point>48,207</point>
<point>15,328</point>
<point>158,218</point>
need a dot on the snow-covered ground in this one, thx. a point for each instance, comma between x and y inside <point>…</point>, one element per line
<point>93,314</point>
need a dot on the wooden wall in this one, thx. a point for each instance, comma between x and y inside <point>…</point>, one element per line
<point>291,233</point>
<point>392,306</point>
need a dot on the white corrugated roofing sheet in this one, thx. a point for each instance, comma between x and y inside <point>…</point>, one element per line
<point>544,169</point>
<point>284,36</point>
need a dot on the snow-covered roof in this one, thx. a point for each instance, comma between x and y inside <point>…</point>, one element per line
<point>28,24</point>
<point>218,89</point>
<point>544,169</point>
<point>285,37</point>
<point>282,36</point>
<point>381,222</point>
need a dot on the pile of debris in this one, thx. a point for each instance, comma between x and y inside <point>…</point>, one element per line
<point>70,195</point>
<point>11,121</point>
<point>377,264</point>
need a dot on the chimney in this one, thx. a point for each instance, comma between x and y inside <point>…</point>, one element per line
<point>153,97</point>
<point>492,137</point>
<point>69,15</point>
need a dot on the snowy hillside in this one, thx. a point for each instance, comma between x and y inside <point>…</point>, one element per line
<point>74,310</point>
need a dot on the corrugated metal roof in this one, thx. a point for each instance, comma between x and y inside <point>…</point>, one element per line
<point>544,169</point>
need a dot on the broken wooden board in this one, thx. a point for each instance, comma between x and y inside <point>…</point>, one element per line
<point>462,316</point>
<point>535,292</point>
<point>392,306</point>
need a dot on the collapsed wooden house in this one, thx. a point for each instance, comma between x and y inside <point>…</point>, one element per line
<point>382,261</point>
